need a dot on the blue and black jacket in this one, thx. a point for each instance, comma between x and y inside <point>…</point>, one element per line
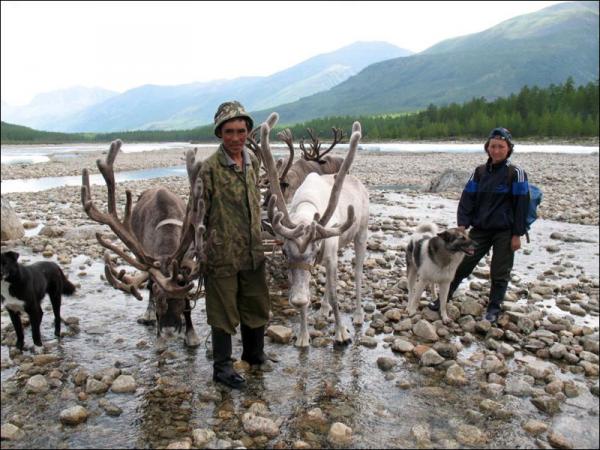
<point>496,197</point>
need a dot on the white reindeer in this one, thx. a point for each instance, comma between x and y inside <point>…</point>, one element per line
<point>325,214</point>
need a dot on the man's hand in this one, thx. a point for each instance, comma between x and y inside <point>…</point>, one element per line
<point>515,243</point>
<point>461,227</point>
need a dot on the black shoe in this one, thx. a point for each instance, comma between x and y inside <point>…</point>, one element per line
<point>229,377</point>
<point>222,364</point>
<point>253,342</point>
<point>434,305</point>
<point>492,316</point>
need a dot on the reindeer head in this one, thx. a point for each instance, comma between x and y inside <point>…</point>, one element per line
<point>303,235</point>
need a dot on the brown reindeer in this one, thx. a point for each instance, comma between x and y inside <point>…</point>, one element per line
<point>165,239</point>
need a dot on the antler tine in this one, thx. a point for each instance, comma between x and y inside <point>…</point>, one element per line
<point>338,136</point>
<point>270,166</point>
<point>341,175</point>
<point>325,233</point>
<point>121,229</point>
<point>315,145</point>
<point>286,136</point>
<point>252,143</point>
<point>121,280</point>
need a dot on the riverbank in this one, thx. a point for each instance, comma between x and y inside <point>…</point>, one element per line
<point>569,181</point>
<point>531,382</point>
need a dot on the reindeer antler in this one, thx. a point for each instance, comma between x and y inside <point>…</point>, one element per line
<point>314,153</point>
<point>141,260</point>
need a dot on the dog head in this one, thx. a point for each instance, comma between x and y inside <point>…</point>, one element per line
<point>9,265</point>
<point>457,240</point>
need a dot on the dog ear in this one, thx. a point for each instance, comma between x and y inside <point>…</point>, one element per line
<point>12,255</point>
<point>447,237</point>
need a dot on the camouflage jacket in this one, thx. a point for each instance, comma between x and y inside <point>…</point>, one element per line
<point>233,211</point>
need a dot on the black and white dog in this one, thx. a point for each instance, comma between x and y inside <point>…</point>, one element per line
<point>432,258</point>
<point>24,287</point>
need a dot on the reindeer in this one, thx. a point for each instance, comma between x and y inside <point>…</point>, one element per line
<point>164,237</point>
<point>325,214</point>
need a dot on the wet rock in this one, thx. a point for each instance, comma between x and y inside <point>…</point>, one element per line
<point>422,435</point>
<point>74,415</point>
<point>385,363</point>
<point>547,404</point>
<point>393,315</point>
<point>535,427</point>
<point>339,434</point>
<point>471,308</point>
<point>470,435</point>
<point>79,376</point>
<point>280,334</point>
<point>10,224</point>
<point>124,384</point>
<point>505,349</point>
<point>455,375</point>
<point>557,440</point>
<point>202,436</point>
<point>491,364</point>
<point>447,350</point>
<point>94,386</point>
<point>425,330</point>
<point>519,385</point>
<point>110,408</point>
<point>37,384</point>
<point>401,345</point>
<point>256,425</point>
<point>11,432</point>
<point>184,444</point>
<point>368,341</point>
<point>431,358</point>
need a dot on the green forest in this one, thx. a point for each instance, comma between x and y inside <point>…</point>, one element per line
<point>558,111</point>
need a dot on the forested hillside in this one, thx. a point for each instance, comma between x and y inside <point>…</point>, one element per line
<point>562,110</point>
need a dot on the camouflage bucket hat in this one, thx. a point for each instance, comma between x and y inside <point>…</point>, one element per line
<point>230,110</point>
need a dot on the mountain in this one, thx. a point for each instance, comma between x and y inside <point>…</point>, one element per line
<point>540,48</point>
<point>190,105</point>
<point>47,110</point>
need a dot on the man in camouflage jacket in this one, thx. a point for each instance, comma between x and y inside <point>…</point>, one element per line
<point>236,288</point>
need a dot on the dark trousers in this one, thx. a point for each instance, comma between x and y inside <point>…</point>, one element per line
<point>501,266</point>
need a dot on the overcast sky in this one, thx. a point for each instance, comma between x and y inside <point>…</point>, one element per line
<point>121,45</point>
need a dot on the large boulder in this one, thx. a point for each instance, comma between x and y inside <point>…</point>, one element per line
<point>11,226</point>
<point>450,180</point>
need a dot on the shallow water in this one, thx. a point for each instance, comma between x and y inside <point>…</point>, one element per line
<point>345,383</point>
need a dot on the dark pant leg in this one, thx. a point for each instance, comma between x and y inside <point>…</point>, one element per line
<point>501,267</point>
<point>483,242</point>
<point>253,300</point>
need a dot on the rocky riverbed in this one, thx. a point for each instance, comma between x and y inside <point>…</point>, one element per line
<point>531,381</point>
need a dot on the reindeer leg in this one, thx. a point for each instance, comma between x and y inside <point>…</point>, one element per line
<point>149,317</point>
<point>303,338</point>
<point>341,333</point>
<point>191,337</point>
<point>325,309</point>
<point>360,248</point>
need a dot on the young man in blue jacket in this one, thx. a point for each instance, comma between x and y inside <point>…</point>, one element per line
<point>494,205</point>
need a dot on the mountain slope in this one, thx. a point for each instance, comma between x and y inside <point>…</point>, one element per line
<point>52,107</point>
<point>186,106</point>
<point>535,49</point>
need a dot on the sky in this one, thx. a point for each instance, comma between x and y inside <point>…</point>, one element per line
<point>48,46</point>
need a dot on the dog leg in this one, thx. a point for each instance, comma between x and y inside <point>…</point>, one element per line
<point>55,299</point>
<point>413,301</point>
<point>35,317</point>
<point>444,288</point>
<point>15,318</point>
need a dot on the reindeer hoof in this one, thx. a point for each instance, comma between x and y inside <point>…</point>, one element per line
<point>358,319</point>
<point>192,340</point>
<point>303,341</point>
<point>343,343</point>
<point>143,320</point>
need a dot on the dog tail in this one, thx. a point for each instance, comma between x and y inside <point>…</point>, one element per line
<point>427,228</point>
<point>68,287</point>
